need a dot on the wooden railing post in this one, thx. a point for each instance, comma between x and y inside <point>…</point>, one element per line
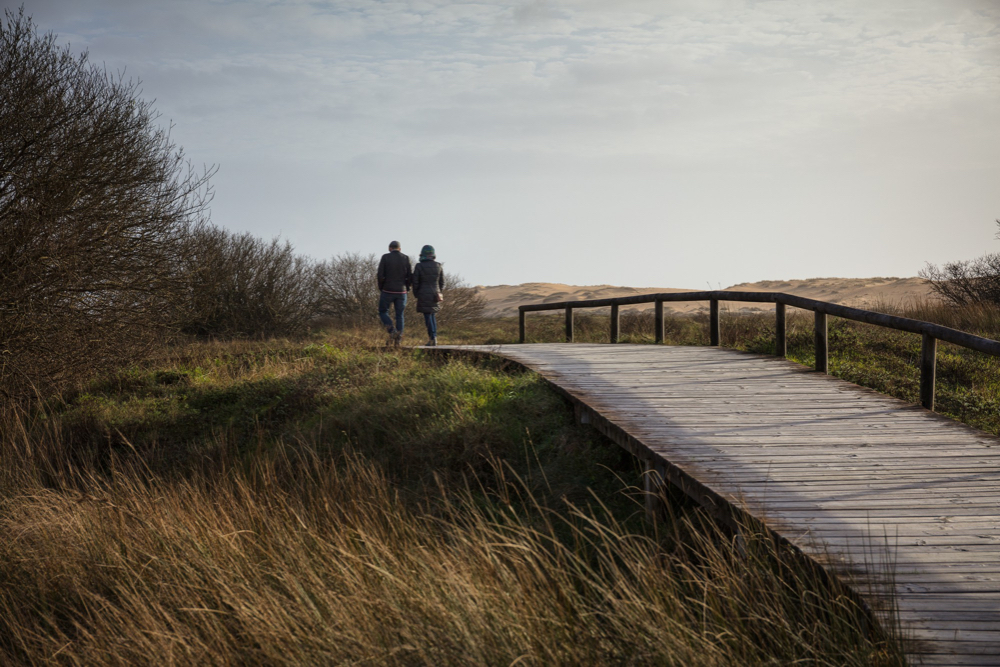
<point>821,309</point>
<point>822,344</point>
<point>780,342</point>
<point>658,322</point>
<point>713,322</point>
<point>928,370</point>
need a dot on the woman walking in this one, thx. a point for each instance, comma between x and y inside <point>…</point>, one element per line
<point>428,281</point>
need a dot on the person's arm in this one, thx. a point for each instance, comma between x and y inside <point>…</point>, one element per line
<point>409,274</point>
<point>381,273</point>
<point>441,280</point>
<point>415,279</point>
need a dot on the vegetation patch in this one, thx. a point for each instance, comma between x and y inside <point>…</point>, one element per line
<point>327,500</point>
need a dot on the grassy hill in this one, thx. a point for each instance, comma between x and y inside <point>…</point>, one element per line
<point>327,501</point>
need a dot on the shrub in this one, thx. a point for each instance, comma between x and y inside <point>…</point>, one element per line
<point>461,301</point>
<point>236,284</point>
<point>95,201</point>
<point>349,288</point>
<point>967,282</point>
<point>349,293</point>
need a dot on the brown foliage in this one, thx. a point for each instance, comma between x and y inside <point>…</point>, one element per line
<point>236,284</point>
<point>349,293</point>
<point>94,201</point>
<point>968,282</point>
<point>349,288</point>
<point>461,302</point>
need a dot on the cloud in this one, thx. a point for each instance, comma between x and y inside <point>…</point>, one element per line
<point>430,74</point>
<point>489,90</point>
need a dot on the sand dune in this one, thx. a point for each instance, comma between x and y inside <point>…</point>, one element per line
<point>860,292</point>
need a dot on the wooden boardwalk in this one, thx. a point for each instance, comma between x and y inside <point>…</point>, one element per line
<point>887,495</point>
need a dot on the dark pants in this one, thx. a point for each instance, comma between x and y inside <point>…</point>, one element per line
<point>430,319</point>
<point>398,301</point>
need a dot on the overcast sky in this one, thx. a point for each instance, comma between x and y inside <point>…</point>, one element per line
<point>646,143</point>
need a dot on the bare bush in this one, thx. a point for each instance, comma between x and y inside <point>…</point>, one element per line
<point>240,285</point>
<point>237,284</point>
<point>349,288</point>
<point>967,282</point>
<point>349,293</point>
<point>462,302</point>
<point>94,203</point>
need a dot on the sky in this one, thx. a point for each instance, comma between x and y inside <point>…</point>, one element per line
<point>666,143</point>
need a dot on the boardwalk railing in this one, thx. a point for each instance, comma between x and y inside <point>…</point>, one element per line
<point>931,333</point>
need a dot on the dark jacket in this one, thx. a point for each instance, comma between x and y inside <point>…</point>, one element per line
<point>428,280</point>
<point>394,273</point>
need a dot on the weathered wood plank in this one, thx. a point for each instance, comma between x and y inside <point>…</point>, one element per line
<point>893,498</point>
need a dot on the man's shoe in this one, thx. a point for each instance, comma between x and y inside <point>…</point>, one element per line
<point>397,338</point>
<point>391,339</point>
<point>431,342</point>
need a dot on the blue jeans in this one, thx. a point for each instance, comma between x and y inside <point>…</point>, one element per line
<point>396,300</point>
<point>432,325</point>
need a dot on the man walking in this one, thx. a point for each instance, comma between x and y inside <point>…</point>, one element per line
<point>394,279</point>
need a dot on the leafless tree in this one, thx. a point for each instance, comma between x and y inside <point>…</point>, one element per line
<point>350,293</point>
<point>349,289</point>
<point>461,301</point>
<point>95,201</point>
<point>967,282</point>
<point>238,285</point>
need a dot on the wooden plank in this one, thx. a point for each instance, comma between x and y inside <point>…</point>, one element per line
<point>963,581</point>
<point>791,501</point>
<point>679,435</point>
<point>954,660</point>
<point>955,492</point>
<point>893,498</point>
<point>927,544</point>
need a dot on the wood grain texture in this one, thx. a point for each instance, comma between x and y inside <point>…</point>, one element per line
<point>853,478</point>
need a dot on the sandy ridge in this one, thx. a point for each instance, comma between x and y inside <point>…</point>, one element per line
<point>503,300</point>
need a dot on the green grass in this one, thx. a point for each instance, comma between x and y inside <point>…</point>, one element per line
<point>328,501</point>
<point>419,417</point>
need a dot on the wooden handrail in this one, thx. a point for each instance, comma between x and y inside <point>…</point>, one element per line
<point>931,333</point>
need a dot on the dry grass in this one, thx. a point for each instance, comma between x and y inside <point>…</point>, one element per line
<point>300,561</point>
<point>318,529</point>
<point>979,318</point>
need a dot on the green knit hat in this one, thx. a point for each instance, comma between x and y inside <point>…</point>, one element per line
<point>427,252</point>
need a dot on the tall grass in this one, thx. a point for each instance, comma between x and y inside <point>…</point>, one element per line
<point>979,318</point>
<point>329,502</point>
